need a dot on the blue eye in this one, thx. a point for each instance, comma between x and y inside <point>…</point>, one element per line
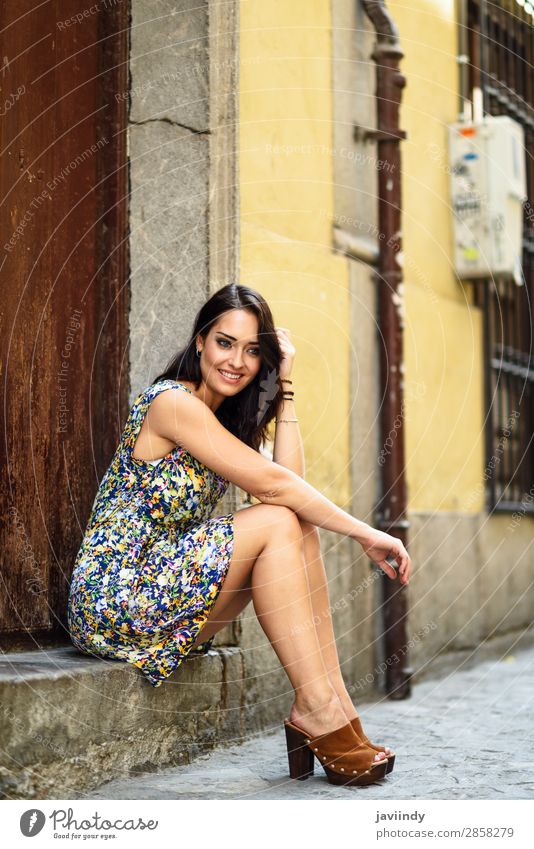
<point>225,342</point>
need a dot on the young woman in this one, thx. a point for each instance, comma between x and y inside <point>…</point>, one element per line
<point>156,578</point>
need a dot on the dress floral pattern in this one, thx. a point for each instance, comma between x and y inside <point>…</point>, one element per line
<point>152,562</point>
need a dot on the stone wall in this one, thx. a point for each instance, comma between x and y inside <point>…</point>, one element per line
<point>183,160</point>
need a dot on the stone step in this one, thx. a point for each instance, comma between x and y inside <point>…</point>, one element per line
<point>70,721</point>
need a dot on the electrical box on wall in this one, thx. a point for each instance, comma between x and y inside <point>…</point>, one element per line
<point>488,190</point>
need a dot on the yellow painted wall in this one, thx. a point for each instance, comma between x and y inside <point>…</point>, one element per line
<point>286,198</point>
<point>443,335</point>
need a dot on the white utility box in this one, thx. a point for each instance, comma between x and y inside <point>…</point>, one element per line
<point>488,190</point>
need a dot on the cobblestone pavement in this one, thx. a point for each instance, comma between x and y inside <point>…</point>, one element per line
<point>465,735</point>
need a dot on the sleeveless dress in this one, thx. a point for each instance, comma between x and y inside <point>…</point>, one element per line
<point>151,563</point>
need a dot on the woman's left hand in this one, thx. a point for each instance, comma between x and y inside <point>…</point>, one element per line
<point>288,351</point>
<point>379,545</point>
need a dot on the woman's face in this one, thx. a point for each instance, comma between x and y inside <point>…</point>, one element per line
<point>231,355</point>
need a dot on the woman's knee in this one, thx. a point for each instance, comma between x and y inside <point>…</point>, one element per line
<point>271,524</point>
<point>281,519</point>
<point>258,526</point>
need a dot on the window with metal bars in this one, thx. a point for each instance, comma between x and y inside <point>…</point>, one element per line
<point>499,40</point>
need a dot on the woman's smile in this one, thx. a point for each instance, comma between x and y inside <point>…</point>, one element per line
<point>230,376</point>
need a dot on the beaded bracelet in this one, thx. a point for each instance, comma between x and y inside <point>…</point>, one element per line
<point>286,420</point>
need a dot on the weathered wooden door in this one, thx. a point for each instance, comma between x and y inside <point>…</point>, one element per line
<point>63,272</point>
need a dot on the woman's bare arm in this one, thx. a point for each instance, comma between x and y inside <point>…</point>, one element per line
<point>180,417</point>
<point>288,450</point>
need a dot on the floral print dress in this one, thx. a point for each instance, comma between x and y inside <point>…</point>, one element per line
<point>152,562</point>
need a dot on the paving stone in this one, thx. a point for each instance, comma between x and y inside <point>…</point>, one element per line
<point>465,735</point>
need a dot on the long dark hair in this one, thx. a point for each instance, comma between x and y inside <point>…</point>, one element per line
<point>248,413</point>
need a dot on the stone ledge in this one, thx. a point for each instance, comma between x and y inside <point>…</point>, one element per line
<point>70,722</point>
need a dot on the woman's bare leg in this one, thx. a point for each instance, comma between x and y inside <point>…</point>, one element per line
<point>281,596</point>
<point>321,621</point>
<point>269,551</point>
<point>228,613</point>
<point>321,613</point>
<point>322,617</point>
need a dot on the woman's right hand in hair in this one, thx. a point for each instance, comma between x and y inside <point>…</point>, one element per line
<point>378,545</point>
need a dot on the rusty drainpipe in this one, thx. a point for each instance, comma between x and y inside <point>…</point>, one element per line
<point>391,511</point>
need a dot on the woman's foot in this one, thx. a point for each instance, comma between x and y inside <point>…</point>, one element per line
<point>351,713</point>
<point>320,716</point>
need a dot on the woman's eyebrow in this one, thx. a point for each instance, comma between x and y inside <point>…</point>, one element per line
<point>254,342</point>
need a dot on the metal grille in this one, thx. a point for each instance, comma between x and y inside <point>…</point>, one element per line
<point>500,43</point>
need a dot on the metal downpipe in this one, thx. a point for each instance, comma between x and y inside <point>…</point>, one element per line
<point>390,513</point>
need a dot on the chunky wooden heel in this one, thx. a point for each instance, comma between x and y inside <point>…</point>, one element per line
<point>299,754</point>
<point>342,755</point>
